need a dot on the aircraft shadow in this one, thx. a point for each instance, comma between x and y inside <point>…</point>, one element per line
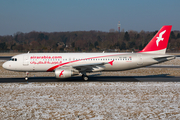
<point>148,78</point>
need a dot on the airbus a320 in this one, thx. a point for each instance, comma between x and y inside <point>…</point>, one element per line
<point>66,65</point>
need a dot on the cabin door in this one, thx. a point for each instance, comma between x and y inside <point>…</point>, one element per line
<point>26,60</point>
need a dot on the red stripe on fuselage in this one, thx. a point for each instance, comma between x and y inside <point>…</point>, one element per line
<point>56,66</point>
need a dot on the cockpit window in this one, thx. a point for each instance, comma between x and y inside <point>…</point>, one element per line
<point>13,59</point>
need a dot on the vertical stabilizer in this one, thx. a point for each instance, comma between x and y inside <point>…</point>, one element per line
<point>159,42</point>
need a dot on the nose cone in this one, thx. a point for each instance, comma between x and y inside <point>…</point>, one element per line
<point>5,66</point>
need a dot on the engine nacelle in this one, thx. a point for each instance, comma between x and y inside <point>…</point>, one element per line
<point>63,73</point>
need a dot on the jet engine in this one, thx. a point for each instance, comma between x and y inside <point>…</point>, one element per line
<point>64,73</point>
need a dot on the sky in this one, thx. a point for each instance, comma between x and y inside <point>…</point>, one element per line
<point>85,15</point>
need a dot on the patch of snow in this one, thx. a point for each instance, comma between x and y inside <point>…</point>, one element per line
<point>90,100</point>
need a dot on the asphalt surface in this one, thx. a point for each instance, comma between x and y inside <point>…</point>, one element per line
<point>5,57</point>
<point>153,78</point>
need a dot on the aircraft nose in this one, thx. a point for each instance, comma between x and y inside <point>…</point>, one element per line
<point>5,66</point>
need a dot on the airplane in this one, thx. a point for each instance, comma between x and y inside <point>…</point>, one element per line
<point>66,65</point>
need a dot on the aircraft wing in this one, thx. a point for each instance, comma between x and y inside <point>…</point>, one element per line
<point>92,67</point>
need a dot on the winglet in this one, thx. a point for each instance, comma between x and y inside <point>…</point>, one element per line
<point>159,42</point>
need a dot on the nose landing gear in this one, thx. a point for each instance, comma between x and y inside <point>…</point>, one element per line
<point>26,77</point>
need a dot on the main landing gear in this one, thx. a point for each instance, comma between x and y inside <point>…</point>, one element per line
<point>85,77</point>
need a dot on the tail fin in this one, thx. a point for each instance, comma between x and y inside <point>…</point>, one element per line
<point>159,42</point>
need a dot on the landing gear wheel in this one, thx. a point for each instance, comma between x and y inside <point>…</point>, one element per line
<point>85,77</point>
<point>26,78</point>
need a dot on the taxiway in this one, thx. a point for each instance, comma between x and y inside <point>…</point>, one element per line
<point>150,78</point>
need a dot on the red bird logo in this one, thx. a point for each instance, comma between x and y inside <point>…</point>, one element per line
<point>111,62</point>
<point>61,73</point>
<point>160,37</point>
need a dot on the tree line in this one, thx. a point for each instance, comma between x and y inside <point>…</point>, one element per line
<point>82,41</point>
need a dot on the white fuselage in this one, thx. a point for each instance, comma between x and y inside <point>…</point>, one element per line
<point>48,62</point>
